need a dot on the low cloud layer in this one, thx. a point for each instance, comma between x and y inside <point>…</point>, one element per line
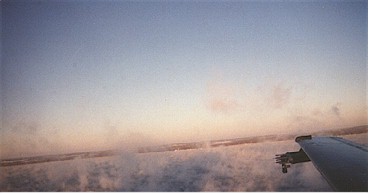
<point>249,167</point>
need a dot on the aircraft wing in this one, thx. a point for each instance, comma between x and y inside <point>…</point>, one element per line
<point>344,164</point>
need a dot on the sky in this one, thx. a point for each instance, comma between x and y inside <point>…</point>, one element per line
<point>92,75</point>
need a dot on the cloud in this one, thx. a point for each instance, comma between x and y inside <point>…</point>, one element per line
<point>335,109</point>
<point>316,118</point>
<point>304,123</point>
<point>279,96</point>
<point>224,105</point>
<point>27,138</point>
<point>220,96</point>
<point>26,127</point>
<point>116,136</point>
<point>248,167</point>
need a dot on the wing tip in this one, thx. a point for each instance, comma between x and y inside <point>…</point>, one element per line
<point>300,138</point>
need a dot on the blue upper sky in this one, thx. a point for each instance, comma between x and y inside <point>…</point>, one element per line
<point>96,74</point>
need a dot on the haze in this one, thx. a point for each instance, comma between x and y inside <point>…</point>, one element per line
<point>95,75</point>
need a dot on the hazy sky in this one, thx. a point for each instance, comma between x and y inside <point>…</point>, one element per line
<point>80,75</point>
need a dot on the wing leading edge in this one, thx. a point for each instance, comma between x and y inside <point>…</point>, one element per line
<point>344,164</point>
